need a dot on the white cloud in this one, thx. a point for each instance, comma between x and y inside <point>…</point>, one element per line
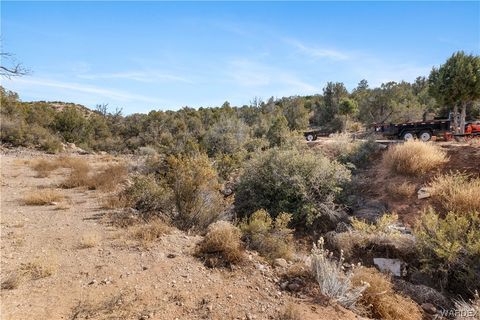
<point>252,74</point>
<point>317,52</point>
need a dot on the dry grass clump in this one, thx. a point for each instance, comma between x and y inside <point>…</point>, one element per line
<point>105,180</point>
<point>108,178</point>
<point>332,280</point>
<point>402,190</point>
<point>11,281</point>
<point>149,232</point>
<point>119,306</point>
<point>466,310</point>
<point>290,312</point>
<point>89,240</point>
<point>42,197</point>
<point>115,201</point>
<point>221,245</point>
<point>43,167</point>
<point>456,192</point>
<point>270,237</point>
<point>379,299</point>
<point>414,158</point>
<point>38,268</point>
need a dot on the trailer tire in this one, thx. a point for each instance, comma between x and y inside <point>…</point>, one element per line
<point>408,136</point>
<point>311,137</point>
<point>425,136</point>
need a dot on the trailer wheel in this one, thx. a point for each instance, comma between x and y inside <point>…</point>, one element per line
<point>310,137</point>
<point>425,136</point>
<point>408,136</point>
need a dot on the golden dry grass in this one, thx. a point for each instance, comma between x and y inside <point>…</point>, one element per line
<point>221,245</point>
<point>380,301</point>
<point>89,240</point>
<point>290,312</point>
<point>42,197</point>
<point>402,190</point>
<point>114,201</point>
<point>414,158</point>
<point>39,268</point>
<point>456,192</point>
<point>43,167</point>
<point>149,232</point>
<point>105,180</point>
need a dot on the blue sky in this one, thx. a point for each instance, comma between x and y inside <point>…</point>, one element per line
<point>164,55</point>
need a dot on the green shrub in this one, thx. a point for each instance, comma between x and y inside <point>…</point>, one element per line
<point>195,191</point>
<point>450,248</point>
<point>346,150</point>
<point>300,182</point>
<point>150,197</point>
<point>270,237</point>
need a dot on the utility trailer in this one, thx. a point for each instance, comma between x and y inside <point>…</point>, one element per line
<point>425,130</point>
<point>312,135</point>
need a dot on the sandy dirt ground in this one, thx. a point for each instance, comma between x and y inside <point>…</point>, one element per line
<point>118,278</point>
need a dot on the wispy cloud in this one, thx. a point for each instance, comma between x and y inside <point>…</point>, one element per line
<point>140,76</point>
<point>117,95</point>
<point>317,52</point>
<point>249,73</point>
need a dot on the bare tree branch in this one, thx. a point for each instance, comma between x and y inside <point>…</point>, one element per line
<point>9,67</point>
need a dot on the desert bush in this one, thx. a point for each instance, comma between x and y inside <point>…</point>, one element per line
<point>332,280</point>
<point>221,246</point>
<point>79,174</point>
<point>379,300</point>
<point>300,182</point>
<point>108,178</point>
<point>346,150</point>
<point>43,167</point>
<point>226,164</point>
<point>414,158</point>
<point>456,192</point>
<point>227,136</point>
<point>380,236</point>
<point>147,151</point>
<point>270,237</point>
<point>149,231</point>
<point>149,196</point>
<point>195,191</point>
<point>42,197</point>
<point>449,249</point>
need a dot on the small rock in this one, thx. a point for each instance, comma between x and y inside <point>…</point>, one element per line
<point>279,262</point>
<point>423,193</point>
<point>92,282</point>
<point>171,255</point>
<point>294,287</point>
<point>144,268</point>
<point>229,296</point>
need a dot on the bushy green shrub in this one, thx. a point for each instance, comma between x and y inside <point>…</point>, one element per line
<point>195,190</point>
<point>450,249</point>
<point>270,237</point>
<point>300,182</point>
<point>346,150</point>
<point>150,196</point>
<point>227,136</point>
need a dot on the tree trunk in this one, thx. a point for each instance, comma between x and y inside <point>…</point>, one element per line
<point>463,115</point>
<point>454,121</point>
